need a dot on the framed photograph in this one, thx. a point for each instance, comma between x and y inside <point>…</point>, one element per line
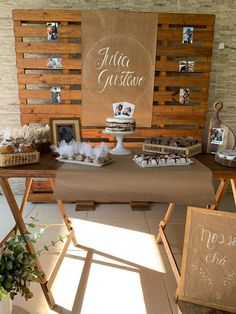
<point>187,35</point>
<point>184,94</point>
<point>52,31</point>
<point>217,136</point>
<point>123,109</point>
<point>186,66</point>
<point>65,129</point>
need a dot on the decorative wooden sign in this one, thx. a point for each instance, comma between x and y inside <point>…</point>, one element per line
<point>220,136</point>
<point>208,274</point>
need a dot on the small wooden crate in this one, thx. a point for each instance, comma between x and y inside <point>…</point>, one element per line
<point>165,149</point>
<point>8,160</point>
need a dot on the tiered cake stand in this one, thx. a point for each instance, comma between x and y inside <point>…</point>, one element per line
<point>119,149</point>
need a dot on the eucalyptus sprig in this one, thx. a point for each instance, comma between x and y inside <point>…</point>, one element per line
<point>18,266</point>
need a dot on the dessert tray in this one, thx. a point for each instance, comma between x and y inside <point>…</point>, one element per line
<point>172,145</point>
<point>148,161</point>
<point>85,163</point>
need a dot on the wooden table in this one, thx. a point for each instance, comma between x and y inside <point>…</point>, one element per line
<point>47,168</point>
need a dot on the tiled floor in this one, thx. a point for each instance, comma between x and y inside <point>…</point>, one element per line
<point>118,268</point>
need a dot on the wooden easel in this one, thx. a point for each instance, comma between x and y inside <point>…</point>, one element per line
<point>161,237</point>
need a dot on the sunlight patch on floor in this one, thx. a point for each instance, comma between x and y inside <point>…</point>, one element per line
<point>113,290</point>
<point>128,245</point>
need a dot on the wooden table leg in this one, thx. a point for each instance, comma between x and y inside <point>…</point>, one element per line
<point>22,229</point>
<point>26,193</point>
<point>64,215</point>
<point>233,185</point>
<point>166,219</point>
<point>28,184</point>
<point>220,192</point>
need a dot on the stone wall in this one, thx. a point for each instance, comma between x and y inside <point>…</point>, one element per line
<point>223,63</point>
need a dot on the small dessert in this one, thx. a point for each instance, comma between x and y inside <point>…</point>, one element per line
<point>161,160</point>
<point>6,149</point>
<point>24,148</point>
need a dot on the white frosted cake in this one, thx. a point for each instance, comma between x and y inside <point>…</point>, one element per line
<point>114,124</point>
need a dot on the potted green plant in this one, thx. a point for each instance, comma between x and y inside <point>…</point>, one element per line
<point>18,266</point>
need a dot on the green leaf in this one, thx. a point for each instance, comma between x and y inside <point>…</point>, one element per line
<point>31,225</point>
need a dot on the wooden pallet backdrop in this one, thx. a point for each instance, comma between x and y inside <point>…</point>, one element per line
<point>169,117</point>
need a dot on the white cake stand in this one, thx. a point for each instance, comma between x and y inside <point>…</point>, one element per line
<point>120,149</point>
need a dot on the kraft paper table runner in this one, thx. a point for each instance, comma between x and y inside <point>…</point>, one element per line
<point>123,180</point>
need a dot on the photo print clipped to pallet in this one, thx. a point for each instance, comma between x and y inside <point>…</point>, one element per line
<point>187,35</point>
<point>208,270</point>
<point>184,94</point>
<point>55,95</point>
<point>52,31</point>
<point>186,66</point>
<point>54,63</point>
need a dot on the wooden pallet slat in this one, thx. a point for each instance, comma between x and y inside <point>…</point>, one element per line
<point>51,109</point>
<point>181,81</point>
<point>46,15</point>
<point>46,94</point>
<point>176,34</point>
<point>173,66</point>
<point>186,19</point>
<point>185,51</point>
<point>41,64</point>
<point>41,31</point>
<point>48,47</point>
<point>49,79</point>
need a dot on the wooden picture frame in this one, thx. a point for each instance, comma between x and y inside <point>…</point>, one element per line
<point>65,129</point>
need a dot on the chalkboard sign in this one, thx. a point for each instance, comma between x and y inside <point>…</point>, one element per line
<point>208,274</point>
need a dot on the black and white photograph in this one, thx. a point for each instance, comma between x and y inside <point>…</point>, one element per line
<point>55,95</point>
<point>123,109</point>
<point>66,133</point>
<point>217,135</point>
<point>184,94</point>
<point>54,63</point>
<point>52,31</point>
<point>186,66</point>
<point>187,35</point>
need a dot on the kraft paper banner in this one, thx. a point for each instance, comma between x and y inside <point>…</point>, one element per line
<point>123,180</point>
<point>118,53</point>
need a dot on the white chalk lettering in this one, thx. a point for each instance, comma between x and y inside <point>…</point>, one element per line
<point>118,59</point>
<point>125,78</point>
<point>113,70</point>
<point>216,259</point>
<point>211,238</point>
<point>232,241</point>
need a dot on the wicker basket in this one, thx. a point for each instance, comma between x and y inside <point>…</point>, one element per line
<point>225,162</point>
<point>164,149</point>
<point>7,160</point>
